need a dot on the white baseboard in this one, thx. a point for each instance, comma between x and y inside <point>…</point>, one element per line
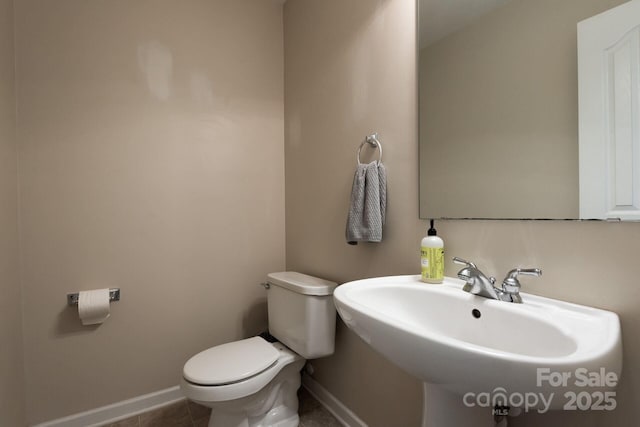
<point>333,405</point>
<point>119,411</point>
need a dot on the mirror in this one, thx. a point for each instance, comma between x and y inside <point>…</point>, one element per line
<point>499,107</point>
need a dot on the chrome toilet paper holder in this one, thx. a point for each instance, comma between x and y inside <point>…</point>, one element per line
<point>114,295</point>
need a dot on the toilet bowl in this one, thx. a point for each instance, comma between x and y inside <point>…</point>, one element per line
<point>253,382</point>
<point>246,383</point>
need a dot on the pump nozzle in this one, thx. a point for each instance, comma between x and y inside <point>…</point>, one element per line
<point>432,231</point>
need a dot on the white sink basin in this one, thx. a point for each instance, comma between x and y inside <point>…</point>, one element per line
<point>434,333</point>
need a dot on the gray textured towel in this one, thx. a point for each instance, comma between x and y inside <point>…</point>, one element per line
<point>368,204</point>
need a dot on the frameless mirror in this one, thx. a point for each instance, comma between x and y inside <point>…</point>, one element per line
<point>499,107</point>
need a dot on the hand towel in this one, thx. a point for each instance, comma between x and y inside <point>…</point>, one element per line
<point>367,209</point>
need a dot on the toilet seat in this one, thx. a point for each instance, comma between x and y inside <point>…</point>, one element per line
<point>237,388</point>
<point>230,363</point>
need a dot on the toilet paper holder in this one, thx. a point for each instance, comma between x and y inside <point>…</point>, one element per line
<point>114,295</point>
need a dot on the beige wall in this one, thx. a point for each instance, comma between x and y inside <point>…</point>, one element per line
<point>151,159</point>
<point>351,69</point>
<point>498,114</point>
<point>11,365</point>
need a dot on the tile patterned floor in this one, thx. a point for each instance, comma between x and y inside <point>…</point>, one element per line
<point>312,413</point>
<point>188,414</point>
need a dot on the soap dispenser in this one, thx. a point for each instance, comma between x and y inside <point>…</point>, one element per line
<point>432,257</point>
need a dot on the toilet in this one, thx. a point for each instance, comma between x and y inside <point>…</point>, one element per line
<point>254,382</point>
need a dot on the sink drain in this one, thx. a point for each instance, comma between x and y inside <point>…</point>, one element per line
<point>476,313</point>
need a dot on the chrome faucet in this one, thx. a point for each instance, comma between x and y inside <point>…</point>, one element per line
<point>479,284</point>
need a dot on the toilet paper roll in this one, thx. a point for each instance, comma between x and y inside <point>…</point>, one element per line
<point>93,306</point>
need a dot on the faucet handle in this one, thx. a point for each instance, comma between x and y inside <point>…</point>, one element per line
<point>511,285</point>
<point>461,261</point>
<point>462,275</point>
<point>524,272</point>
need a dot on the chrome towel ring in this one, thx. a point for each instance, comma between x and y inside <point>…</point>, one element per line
<point>374,142</point>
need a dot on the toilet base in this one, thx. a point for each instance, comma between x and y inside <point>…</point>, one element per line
<point>275,405</point>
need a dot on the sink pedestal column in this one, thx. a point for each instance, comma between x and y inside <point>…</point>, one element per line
<point>442,408</point>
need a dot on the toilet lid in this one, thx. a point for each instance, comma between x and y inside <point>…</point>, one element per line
<point>231,362</point>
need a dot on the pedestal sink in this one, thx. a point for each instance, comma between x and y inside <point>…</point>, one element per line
<point>469,347</point>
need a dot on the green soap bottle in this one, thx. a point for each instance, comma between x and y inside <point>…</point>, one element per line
<point>432,257</point>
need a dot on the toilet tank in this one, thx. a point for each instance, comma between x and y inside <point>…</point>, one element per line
<point>302,314</point>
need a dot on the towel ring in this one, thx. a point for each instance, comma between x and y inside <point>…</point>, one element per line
<point>374,142</point>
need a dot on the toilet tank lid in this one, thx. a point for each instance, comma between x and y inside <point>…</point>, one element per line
<point>302,283</point>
